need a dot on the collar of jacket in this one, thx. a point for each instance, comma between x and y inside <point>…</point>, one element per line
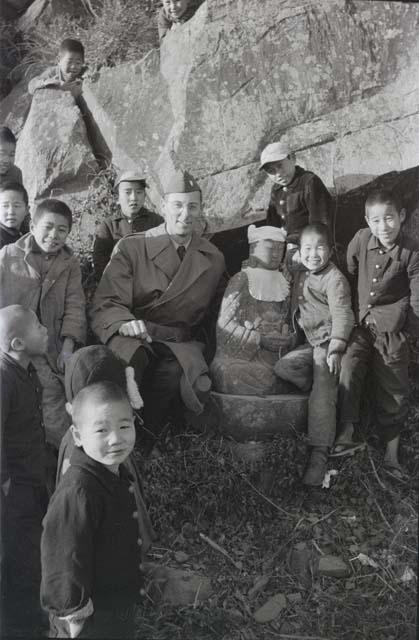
<point>16,365</point>
<point>142,213</point>
<point>13,233</point>
<point>25,244</point>
<point>374,243</point>
<point>162,240</point>
<point>109,480</point>
<point>299,172</point>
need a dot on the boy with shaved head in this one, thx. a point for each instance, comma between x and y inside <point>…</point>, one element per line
<point>23,492</point>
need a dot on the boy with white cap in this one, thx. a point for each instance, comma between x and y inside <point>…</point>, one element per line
<point>132,218</point>
<point>298,196</point>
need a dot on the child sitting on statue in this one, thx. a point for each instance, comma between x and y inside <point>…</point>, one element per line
<point>321,308</point>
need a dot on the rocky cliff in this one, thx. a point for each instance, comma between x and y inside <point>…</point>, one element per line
<point>338,78</point>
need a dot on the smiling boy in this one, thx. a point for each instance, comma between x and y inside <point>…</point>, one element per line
<point>384,264</point>
<point>321,307</point>
<point>92,580</point>
<point>172,14</point>
<point>133,217</point>
<point>67,74</point>
<point>40,271</point>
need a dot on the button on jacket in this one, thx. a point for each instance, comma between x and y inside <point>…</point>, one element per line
<point>304,201</point>
<point>387,287</point>
<point>89,546</point>
<point>321,304</point>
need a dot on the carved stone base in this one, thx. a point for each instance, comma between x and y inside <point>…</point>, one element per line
<point>259,418</point>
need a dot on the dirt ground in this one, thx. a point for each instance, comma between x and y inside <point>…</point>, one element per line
<point>270,534</point>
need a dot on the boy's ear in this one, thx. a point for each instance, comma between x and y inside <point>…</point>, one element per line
<point>76,436</point>
<point>402,215</point>
<point>17,344</point>
<point>69,408</point>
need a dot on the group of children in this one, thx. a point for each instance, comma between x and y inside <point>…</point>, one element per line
<point>92,575</point>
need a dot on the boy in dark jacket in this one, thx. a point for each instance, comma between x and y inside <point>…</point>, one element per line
<point>321,307</point>
<point>134,217</point>
<point>92,580</point>
<point>384,263</point>
<point>13,211</point>
<point>23,497</point>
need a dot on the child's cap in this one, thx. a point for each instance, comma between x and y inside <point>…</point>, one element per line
<point>130,176</point>
<point>274,153</point>
<point>180,182</point>
<point>276,234</point>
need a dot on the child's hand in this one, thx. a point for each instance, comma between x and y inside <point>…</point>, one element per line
<point>65,354</point>
<point>75,88</point>
<point>334,361</point>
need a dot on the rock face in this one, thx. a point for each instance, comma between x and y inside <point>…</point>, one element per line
<point>46,10</point>
<point>336,78</point>
<point>53,151</point>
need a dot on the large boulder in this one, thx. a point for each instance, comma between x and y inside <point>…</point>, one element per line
<point>53,150</point>
<point>45,11</point>
<point>335,77</point>
<point>14,108</point>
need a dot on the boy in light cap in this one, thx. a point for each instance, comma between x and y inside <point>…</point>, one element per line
<point>133,217</point>
<point>23,496</point>
<point>159,293</point>
<point>298,196</point>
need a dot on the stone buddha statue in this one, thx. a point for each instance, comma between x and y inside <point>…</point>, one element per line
<point>254,320</point>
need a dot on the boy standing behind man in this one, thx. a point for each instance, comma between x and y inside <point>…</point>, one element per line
<point>384,263</point>
<point>134,217</point>
<point>67,74</point>
<point>23,497</point>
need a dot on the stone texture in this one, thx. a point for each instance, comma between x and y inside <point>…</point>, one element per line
<point>271,609</point>
<point>53,150</point>
<point>256,418</point>
<point>44,11</point>
<point>335,77</point>
<point>14,108</point>
<point>333,566</point>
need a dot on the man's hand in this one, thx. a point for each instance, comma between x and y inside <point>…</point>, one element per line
<point>135,329</point>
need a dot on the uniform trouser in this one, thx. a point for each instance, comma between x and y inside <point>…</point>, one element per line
<point>384,356</point>
<point>301,366</point>
<point>22,511</point>
<point>158,375</point>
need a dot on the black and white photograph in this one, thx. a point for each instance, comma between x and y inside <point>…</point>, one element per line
<point>209,319</point>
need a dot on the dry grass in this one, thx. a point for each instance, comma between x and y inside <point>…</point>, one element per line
<point>258,513</point>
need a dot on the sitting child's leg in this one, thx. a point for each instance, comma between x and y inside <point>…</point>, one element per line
<point>354,369</point>
<point>321,416</point>
<point>390,365</point>
<point>56,418</point>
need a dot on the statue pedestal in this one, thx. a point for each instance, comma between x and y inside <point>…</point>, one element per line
<point>258,418</point>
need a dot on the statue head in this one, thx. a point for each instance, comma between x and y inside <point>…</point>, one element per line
<point>266,246</point>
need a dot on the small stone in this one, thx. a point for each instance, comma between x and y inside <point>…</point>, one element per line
<point>185,587</point>
<point>271,609</point>
<point>181,557</point>
<point>294,598</point>
<point>334,567</point>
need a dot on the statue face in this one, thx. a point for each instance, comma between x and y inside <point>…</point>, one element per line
<point>268,253</point>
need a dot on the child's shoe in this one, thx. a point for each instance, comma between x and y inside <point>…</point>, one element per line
<point>316,467</point>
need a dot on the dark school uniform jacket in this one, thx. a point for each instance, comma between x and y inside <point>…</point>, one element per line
<point>90,547</point>
<point>386,282</point>
<point>304,201</point>
<point>116,227</point>
<point>22,435</point>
